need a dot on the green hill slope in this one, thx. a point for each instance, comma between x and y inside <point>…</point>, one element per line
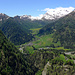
<point>12,62</point>
<point>15,32</point>
<point>63,29</point>
<point>27,23</point>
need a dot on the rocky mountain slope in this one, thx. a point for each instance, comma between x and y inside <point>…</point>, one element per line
<point>3,18</point>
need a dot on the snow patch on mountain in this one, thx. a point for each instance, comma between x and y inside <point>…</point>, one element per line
<point>50,14</point>
<point>57,12</point>
<point>3,16</point>
<point>0,19</point>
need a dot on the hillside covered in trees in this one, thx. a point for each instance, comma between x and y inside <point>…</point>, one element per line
<point>63,30</point>
<point>12,61</point>
<point>15,32</point>
<point>17,29</point>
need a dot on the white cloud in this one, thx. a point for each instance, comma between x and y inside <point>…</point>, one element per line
<point>38,17</point>
<point>46,9</point>
<point>59,8</point>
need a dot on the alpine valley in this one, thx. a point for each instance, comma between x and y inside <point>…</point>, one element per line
<point>42,45</point>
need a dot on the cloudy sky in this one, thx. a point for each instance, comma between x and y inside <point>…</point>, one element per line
<point>33,7</point>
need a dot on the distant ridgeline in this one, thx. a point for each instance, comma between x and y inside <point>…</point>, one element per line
<point>15,32</point>
<point>63,29</point>
<point>12,62</point>
<point>16,29</point>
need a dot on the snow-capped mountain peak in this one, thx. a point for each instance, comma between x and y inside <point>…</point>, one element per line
<point>57,12</point>
<point>50,14</point>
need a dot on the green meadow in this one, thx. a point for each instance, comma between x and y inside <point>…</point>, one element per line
<point>43,41</point>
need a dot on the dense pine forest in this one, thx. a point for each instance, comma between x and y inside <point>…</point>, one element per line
<point>12,61</point>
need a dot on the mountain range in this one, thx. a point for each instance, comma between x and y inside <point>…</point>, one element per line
<point>37,54</point>
<point>51,14</point>
<point>15,32</point>
<point>17,28</point>
<point>63,30</point>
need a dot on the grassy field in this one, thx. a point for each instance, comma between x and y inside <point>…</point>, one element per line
<point>35,31</point>
<point>61,48</point>
<point>30,49</point>
<point>43,41</point>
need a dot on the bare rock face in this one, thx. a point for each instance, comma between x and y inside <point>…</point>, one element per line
<point>45,68</point>
<point>3,17</point>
